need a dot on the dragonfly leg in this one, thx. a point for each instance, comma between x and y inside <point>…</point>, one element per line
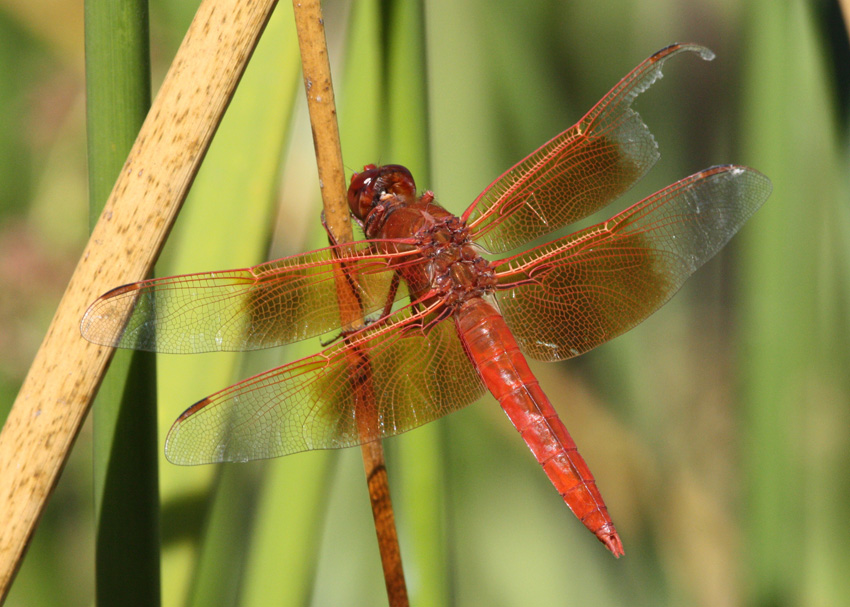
<point>388,305</point>
<point>331,236</point>
<point>384,313</point>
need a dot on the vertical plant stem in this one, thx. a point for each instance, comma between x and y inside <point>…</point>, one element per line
<point>320,101</point>
<point>126,490</point>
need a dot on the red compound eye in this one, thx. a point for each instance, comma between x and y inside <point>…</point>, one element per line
<point>369,185</point>
<point>361,190</point>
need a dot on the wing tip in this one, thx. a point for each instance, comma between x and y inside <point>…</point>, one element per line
<point>703,52</point>
<point>100,327</point>
<point>174,453</point>
<point>740,171</point>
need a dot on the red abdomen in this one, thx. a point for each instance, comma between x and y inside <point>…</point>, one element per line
<point>505,372</point>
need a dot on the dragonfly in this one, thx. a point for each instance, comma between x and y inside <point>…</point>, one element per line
<point>443,323</point>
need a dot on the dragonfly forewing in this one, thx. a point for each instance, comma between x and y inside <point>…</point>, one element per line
<point>272,304</point>
<point>580,171</point>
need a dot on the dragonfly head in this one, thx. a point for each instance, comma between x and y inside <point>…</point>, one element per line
<point>369,186</point>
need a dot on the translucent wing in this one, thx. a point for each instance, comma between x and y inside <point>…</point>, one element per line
<point>578,172</point>
<point>400,375</point>
<point>570,295</point>
<point>274,303</point>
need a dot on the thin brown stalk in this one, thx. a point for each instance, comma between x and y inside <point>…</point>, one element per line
<point>67,370</point>
<point>845,11</point>
<point>320,100</point>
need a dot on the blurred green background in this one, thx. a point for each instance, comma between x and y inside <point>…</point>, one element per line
<point>719,430</point>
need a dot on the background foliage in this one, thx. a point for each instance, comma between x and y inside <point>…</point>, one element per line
<point>718,429</point>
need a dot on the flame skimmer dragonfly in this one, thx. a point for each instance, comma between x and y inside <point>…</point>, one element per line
<point>463,324</point>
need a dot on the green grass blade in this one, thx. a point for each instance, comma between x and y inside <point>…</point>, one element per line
<point>359,90</point>
<point>795,357</point>
<point>226,223</point>
<point>125,452</point>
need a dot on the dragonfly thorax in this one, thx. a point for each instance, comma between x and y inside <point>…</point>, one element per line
<point>455,270</point>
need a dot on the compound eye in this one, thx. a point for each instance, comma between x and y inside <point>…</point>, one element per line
<point>361,191</point>
<point>399,181</point>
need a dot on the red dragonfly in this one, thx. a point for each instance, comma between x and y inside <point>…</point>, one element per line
<point>444,323</point>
